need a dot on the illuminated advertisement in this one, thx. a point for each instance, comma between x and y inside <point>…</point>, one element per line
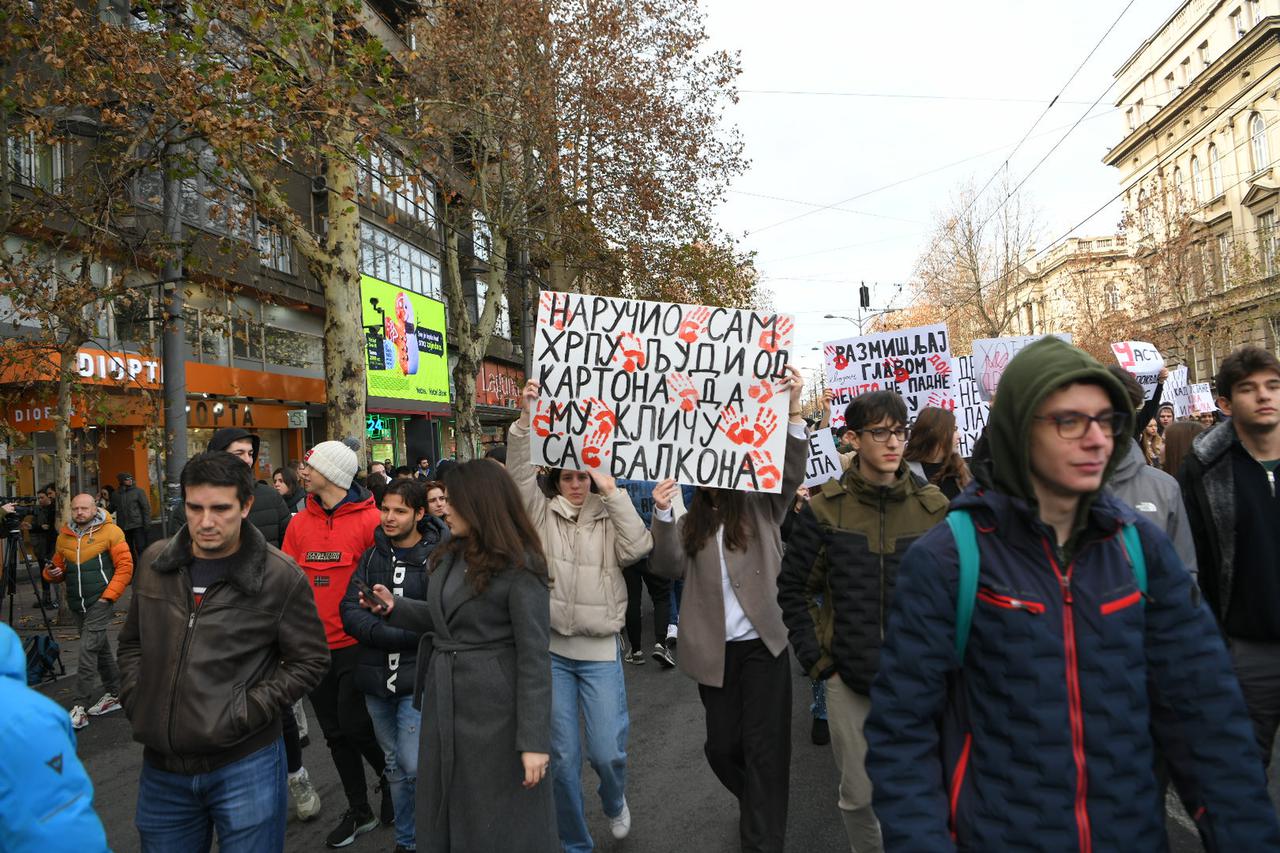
<point>404,343</point>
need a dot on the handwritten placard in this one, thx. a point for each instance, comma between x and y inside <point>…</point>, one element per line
<point>1177,392</point>
<point>1141,359</point>
<point>992,355</point>
<point>971,410</point>
<point>824,460</point>
<point>1202,398</point>
<point>652,390</point>
<point>916,363</point>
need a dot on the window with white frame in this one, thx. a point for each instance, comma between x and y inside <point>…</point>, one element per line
<point>385,256</point>
<point>1267,242</point>
<point>213,199</point>
<point>1255,12</point>
<point>481,237</point>
<point>1258,142</point>
<point>34,163</point>
<point>275,250</point>
<point>385,177</point>
<point>1236,23</point>
<point>1112,294</point>
<point>1197,181</point>
<point>1179,189</point>
<point>1169,83</point>
<point>501,326</point>
<point>1216,186</point>
<point>1203,52</point>
<point>1184,71</point>
<point>1224,260</point>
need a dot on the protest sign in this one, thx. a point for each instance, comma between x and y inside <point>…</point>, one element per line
<point>972,411</point>
<point>1141,359</point>
<point>916,363</point>
<point>1202,398</point>
<point>992,355</point>
<point>651,390</point>
<point>1177,392</point>
<point>824,460</point>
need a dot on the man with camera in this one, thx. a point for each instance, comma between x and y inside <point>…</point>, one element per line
<point>93,560</point>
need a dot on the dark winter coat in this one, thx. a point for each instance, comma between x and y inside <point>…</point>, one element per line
<point>845,547</point>
<point>1156,496</point>
<point>1042,738</point>
<point>131,508</point>
<point>485,673</point>
<point>389,655</point>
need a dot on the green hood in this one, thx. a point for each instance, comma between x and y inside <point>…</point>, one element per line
<point>1033,374</point>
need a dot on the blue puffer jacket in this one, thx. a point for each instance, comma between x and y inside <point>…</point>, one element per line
<point>1042,740</point>
<point>46,798</point>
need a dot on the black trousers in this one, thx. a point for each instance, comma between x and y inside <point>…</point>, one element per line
<point>137,540</point>
<point>749,740</point>
<point>1258,668</point>
<point>659,593</point>
<point>292,739</point>
<point>348,731</point>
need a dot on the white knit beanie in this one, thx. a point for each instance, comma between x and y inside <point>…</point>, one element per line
<point>335,460</point>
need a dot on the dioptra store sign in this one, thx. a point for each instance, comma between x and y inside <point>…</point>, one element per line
<point>136,369</point>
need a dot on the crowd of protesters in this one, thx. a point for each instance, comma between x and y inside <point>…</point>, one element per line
<point>1023,649</point>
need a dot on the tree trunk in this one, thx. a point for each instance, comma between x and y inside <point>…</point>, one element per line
<point>68,380</point>
<point>339,274</point>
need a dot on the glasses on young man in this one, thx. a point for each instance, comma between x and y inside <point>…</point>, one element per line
<point>1073,425</point>
<point>881,434</point>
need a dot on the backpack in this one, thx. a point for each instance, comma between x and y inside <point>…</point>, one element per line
<point>966,536</point>
<point>43,655</point>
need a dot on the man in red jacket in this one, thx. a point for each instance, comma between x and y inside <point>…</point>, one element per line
<point>327,539</point>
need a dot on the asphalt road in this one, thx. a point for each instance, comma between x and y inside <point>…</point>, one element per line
<point>676,802</point>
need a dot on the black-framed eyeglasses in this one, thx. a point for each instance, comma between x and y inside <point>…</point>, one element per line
<point>1073,425</point>
<point>881,434</point>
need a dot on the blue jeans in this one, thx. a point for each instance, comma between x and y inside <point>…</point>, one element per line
<point>245,801</point>
<point>396,723</point>
<point>677,592</point>
<point>598,688</point>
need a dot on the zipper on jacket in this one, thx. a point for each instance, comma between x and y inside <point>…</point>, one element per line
<point>180,669</point>
<point>957,780</point>
<point>1009,603</point>
<point>880,549</point>
<point>1271,480</point>
<point>1073,701</point>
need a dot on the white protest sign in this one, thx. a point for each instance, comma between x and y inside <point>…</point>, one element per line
<point>824,460</point>
<point>1202,398</point>
<point>651,390</point>
<point>1141,359</point>
<point>992,355</point>
<point>971,410</point>
<point>916,363</point>
<point>1177,392</point>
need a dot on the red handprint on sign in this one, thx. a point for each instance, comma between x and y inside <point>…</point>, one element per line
<point>900,372</point>
<point>694,325</point>
<point>734,426</point>
<point>681,387</point>
<point>542,420</point>
<point>992,370</point>
<point>632,351</point>
<point>838,359</point>
<point>761,391</point>
<point>767,474</point>
<point>779,337</point>
<point>766,425</point>
<point>604,418</point>
<point>939,400</point>
<point>593,445</point>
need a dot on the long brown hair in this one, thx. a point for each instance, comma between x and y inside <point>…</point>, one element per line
<point>711,508</point>
<point>1177,443</point>
<point>500,535</point>
<point>935,430</point>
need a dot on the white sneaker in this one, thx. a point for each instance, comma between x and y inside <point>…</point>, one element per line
<point>305,798</point>
<point>105,705</point>
<point>673,631</point>
<point>621,825</point>
<point>78,718</point>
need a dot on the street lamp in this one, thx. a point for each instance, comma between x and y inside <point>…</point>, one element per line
<point>860,321</point>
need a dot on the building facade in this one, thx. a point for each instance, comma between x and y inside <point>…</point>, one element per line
<point>1197,163</point>
<point>1073,287</point>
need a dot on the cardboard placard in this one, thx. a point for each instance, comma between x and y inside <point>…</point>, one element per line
<point>992,355</point>
<point>972,411</point>
<point>824,460</point>
<point>1202,398</point>
<point>652,390</point>
<point>916,363</point>
<point>1141,359</point>
<point>1177,392</point>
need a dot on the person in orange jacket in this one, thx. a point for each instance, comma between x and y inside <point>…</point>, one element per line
<point>93,559</point>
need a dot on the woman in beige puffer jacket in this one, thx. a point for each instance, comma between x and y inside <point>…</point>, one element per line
<point>590,531</point>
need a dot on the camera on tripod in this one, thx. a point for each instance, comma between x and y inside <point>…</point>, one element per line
<point>24,505</point>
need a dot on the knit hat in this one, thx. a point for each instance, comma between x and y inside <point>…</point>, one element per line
<point>335,460</point>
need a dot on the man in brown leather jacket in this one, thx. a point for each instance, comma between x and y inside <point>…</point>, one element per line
<point>222,633</point>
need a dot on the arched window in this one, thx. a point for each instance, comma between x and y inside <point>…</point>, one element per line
<point>1197,181</point>
<point>1179,190</point>
<point>1258,142</point>
<point>1216,187</point>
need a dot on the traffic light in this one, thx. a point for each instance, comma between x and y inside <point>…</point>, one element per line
<point>864,296</point>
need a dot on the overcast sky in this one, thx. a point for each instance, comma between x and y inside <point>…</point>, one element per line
<point>814,150</point>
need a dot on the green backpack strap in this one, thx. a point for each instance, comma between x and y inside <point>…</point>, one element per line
<point>1133,550</point>
<point>966,536</point>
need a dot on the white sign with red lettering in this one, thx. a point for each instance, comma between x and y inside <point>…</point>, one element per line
<point>916,363</point>
<point>1143,360</point>
<point>1202,398</point>
<point>651,390</point>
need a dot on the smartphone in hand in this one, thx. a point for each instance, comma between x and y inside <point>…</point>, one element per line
<point>368,593</point>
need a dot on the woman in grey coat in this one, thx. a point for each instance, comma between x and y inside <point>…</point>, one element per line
<point>484,674</point>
